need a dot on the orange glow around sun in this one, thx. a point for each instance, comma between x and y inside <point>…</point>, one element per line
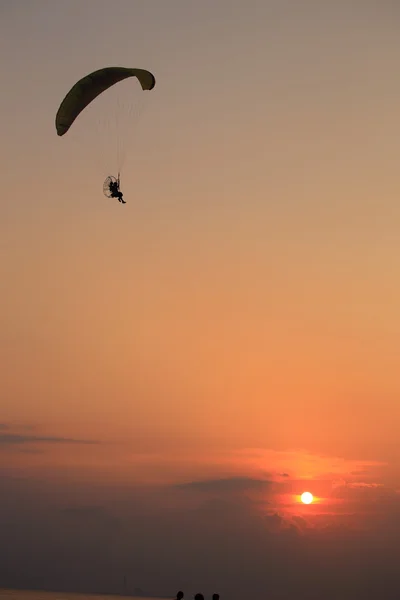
<point>307,498</point>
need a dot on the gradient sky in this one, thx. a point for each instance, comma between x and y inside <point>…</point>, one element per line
<point>177,370</point>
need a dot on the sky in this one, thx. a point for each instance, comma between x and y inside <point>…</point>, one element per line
<point>176,371</point>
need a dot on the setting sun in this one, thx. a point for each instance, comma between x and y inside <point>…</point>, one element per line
<point>307,498</point>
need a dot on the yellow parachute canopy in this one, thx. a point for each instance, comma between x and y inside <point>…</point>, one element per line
<point>91,86</point>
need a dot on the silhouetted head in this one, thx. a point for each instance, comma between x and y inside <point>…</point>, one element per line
<point>179,595</point>
<point>215,597</point>
<point>199,597</point>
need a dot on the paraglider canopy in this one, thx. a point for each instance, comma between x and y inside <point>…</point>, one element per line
<point>91,86</point>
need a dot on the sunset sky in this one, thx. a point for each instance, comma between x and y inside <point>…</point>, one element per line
<point>175,372</point>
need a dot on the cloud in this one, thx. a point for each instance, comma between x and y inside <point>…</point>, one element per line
<point>242,533</point>
<point>228,485</point>
<point>359,484</point>
<point>302,464</point>
<point>12,439</point>
<point>84,537</point>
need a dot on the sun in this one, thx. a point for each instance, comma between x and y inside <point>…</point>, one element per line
<point>307,498</point>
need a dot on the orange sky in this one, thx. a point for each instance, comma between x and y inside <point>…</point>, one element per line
<point>239,316</point>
